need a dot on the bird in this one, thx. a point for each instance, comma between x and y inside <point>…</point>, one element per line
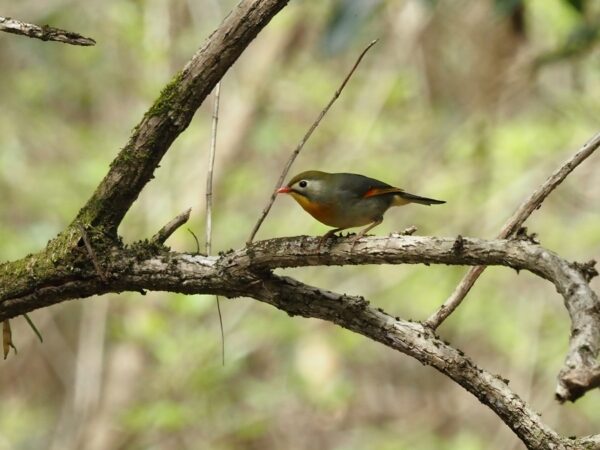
<point>347,200</point>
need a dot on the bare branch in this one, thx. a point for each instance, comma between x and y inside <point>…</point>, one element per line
<point>300,145</point>
<point>172,112</point>
<point>211,166</point>
<point>165,232</point>
<point>573,383</point>
<point>580,368</point>
<point>209,193</point>
<point>522,213</point>
<point>419,342</point>
<point>45,33</point>
<point>247,272</point>
<point>226,275</point>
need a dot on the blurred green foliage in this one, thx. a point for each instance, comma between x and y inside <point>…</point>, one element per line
<point>448,105</point>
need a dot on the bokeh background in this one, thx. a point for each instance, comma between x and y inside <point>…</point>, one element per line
<point>474,102</point>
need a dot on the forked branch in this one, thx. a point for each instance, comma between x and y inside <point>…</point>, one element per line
<point>248,272</point>
<point>172,112</point>
<point>62,272</point>
<point>522,213</point>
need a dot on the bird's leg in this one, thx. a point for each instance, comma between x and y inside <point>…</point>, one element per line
<point>327,236</point>
<point>364,231</point>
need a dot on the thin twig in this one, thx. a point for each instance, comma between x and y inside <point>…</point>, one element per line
<point>165,232</point>
<point>92,253</point>
<point>45,33</point>
<point>532,203</point>
<point>33,327</point>
<point>302,142</point>
<point>211,165</point>
<point>209,193</point>
<point>222,331</point>
<point>197,242</point>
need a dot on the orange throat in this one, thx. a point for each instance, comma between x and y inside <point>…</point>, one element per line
<point>322,212</point>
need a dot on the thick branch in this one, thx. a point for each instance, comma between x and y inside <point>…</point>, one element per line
<point>418,341</point>
<point>581,368</point>
<point>247,272</point>
<point>134,269</point>
<point>580,372</point>
<point>45,33</point>
<point>172,112</point>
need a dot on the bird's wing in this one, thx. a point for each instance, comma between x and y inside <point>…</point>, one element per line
<point>363,187</point>
<point>375,190</point>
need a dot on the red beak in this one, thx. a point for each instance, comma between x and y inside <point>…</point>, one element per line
<point>284,190</point>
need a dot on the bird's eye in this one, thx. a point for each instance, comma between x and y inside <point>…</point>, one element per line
<point>303,183</point>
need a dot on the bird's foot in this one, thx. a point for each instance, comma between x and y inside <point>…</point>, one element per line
<point>329,234</point>
<point>322,240</point>
<point>354,240</point>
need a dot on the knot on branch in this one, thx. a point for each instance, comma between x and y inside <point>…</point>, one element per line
<point>406,232</point>
<point>522,235</point>
<point>587,269</point>
<point>409,231</point>
<point>577,382</point>
<point>96,247</point>
<point>459,245</point>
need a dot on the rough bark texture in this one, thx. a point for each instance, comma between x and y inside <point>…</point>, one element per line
<point>248,272</point>
<point>89,259</point>
<point>125,269</point>
<point>45,33</point>
<point>172,112</point>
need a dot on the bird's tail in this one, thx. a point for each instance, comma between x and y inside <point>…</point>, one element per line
<point>403,198</point>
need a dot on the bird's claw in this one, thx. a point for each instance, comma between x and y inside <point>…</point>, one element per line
<point>322,240</point>
<point>354,240</point>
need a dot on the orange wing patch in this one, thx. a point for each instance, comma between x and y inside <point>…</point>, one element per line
<point>372,192</point>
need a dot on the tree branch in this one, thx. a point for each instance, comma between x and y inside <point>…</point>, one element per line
<point>172,112</point>
<point>148,268</point>
<point>45,33</point>
<point>62,271</point>
<point>166,231</point>
<point>247,272</point>
<point>522,213</point>
<point>420,342</point>
<point>580,371</point>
